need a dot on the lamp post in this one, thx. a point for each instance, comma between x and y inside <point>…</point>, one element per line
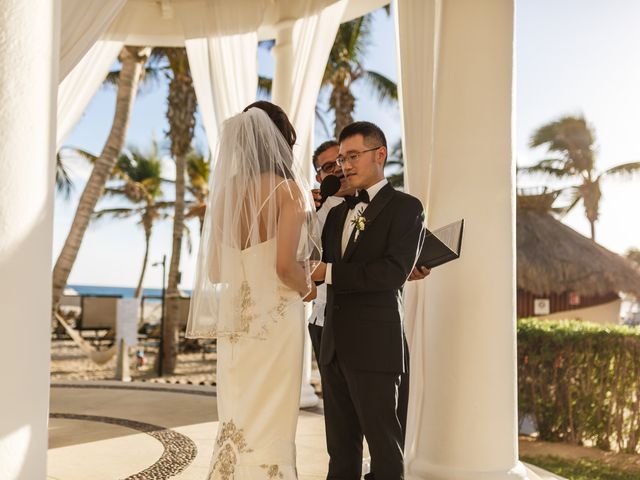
<point>161,346</point>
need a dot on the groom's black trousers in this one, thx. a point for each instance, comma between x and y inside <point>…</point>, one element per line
<point>363,403</point>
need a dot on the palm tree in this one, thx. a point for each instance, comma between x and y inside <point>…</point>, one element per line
<point>133,60</point>
<point>64,185</point>
<point>570,142</point>
<point>345,67</point>
<point>138,181</point>
<point>633,254</point>
<point>181,116</point>
<point>198,171</point>
<point>396,159</point>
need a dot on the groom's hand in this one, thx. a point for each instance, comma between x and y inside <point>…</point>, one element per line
<point>319,273</point>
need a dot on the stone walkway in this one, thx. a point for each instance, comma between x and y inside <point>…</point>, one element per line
<point>113,430</point>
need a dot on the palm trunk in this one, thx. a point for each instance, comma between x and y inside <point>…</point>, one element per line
<point>147,241</point>
<point>133,60</point>
<point>181,117</point>
<point>343,103</point>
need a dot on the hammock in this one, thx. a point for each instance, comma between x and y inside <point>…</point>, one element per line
<point>99,357</point>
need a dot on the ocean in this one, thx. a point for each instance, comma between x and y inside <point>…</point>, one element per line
<point>126,292</point>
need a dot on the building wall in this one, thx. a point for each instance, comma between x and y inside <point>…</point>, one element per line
<point>606,314</point>
<point>561,302</point>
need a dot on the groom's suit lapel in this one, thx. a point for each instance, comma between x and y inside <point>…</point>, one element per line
<point>382,198</point>
<point>341,217</point>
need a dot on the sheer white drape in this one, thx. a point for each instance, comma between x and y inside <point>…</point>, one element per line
<point>224,67</point>
<point>417,45</point>
<point>225,77</point>
<point>78,88</point>
<point>311,42</point>
<point>83,23</point>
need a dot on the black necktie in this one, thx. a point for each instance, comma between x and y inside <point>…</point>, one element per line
<point>353,200</point>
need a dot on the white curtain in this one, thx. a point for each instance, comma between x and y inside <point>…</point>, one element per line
<point>418,45</point>
<point>225,77</point>
<point>224,67</point>
<point>78,88</point>
<point>83,23</point>
<point>311,41</point>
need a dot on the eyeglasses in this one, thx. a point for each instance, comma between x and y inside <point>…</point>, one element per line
<point>353,156</point>
<point>328,167</point>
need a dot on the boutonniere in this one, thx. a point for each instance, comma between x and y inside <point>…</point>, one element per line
<point>359,222</point>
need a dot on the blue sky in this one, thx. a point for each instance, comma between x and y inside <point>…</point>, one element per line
<point>572,57</point>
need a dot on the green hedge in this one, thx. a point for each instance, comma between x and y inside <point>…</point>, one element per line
<point>581,381</point>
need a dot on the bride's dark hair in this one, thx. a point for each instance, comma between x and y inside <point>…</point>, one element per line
<point>278,117</point>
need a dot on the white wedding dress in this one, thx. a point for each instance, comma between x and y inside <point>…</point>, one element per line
<point>259,377</point>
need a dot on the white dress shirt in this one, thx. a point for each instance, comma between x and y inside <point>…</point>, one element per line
<point>347,229</point>
<point>319,303</point>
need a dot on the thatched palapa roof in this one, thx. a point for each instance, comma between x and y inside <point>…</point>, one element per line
<point>553,258</point>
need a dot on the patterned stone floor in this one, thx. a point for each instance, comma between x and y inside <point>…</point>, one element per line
<point>113,430</point>
<point>139,431</point>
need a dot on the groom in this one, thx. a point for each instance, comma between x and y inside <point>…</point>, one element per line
<point>370,243</point>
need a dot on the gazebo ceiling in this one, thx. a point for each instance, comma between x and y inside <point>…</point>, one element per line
<point>168,22</point>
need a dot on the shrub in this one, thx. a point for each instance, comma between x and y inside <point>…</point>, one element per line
<point>581,381</point>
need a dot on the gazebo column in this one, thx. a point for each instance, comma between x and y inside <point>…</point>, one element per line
<point>28,74</point>
<point>283,58</point>
<point>281,95</point>
<point>456,62</point>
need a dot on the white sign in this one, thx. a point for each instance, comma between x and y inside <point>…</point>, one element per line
<point>541,306</point>
<point>127,321</point>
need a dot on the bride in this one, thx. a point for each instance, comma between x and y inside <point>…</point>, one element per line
<point>259,239</point>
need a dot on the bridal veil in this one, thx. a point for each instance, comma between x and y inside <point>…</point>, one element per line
<point>236,287</point>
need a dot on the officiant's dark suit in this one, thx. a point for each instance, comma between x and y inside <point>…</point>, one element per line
<point>363,350</point>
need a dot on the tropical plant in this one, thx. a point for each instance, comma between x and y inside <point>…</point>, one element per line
<point>133,60</point>
<point>64,185</point>
<point>395,159</point>
<point>346,67</point>
<point>138,181</point>
<point>570,141</point>
<point>198,171</point>
<point>633,254</point>
<point>181,111</point>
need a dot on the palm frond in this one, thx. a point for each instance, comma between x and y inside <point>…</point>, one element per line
<point>64,185</point>
<point>265,85</point>
<point>625,169</point>
<point>187,236</point>
<point>121,212</point>
<point>552,167</point>
<point>384,87</point>
<point>90,157</point>
<point>267,44</point>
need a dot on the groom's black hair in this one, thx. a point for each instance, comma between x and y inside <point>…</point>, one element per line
<point>372,134</point>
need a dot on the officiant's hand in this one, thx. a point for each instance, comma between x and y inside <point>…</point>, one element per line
<point>418,273</point>
<point>319,273</point>
<point>317,198</point>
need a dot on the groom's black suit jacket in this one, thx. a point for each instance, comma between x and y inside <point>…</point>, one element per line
<point>363,317</point>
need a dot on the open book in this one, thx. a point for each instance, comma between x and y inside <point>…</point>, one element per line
<point>441,245</point>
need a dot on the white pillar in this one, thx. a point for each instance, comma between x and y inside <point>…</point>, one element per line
<point>29,41</point>
<point>281,95</point>
<point>463,414</point>
<point>283,58</point>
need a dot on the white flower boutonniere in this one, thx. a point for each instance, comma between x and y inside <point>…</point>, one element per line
<point>359,222</point>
